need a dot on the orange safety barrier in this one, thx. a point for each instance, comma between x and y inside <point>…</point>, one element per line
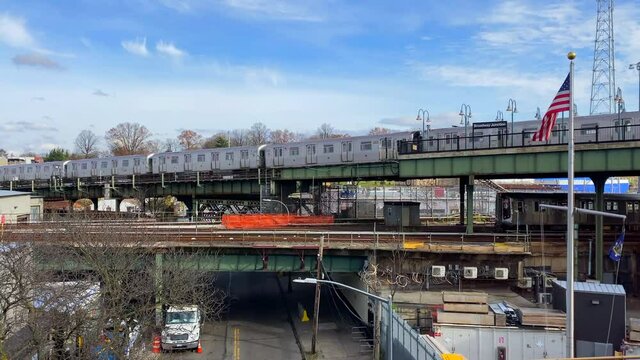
<point>157,348</point>
<point>270,221</point>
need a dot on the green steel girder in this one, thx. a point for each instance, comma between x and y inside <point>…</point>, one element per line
<point>384,170</point>
<point>238,262</point>
<point>246,188</point>
<point>523,162</point>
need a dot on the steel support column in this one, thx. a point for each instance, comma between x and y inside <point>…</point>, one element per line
<point>470,204</point>
<point>599,182</point>
<point>463,185</point>
<point>158,287</point>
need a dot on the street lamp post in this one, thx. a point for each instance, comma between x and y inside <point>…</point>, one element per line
<point>426,120</point>
<point>637,67</point>
<point>499,116</point>
<point>538,114</point>
<point>513,108</point>
<point>280,202</point>
<point>465,114</point>
<point>388,301</point>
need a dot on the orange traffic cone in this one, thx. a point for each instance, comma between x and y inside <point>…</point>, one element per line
<point>199,351</point>
<point>157,348</point>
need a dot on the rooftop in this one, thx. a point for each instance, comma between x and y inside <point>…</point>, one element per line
<point>593,288</point>
<point>7,193</point>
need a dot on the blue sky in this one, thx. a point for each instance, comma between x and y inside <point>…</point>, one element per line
<point>215,65</point>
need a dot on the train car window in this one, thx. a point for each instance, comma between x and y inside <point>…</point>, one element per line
<point>201,158</point>
<point>629,207</point>
<point>244,154</point>
<point>528,132</point>
<point>104,164</point>
<point>74,166</point>
<point>21,170</point>
<point>588,129</point>
<point>125,163</point>
<point>447,139</point>
<point>386,143</point>
<point>28,170</point>
<point>590,205</point>
<point>536,206</point>
<point>46,169</point>
<point>13,171</point>
<point>187,158</point>
<point>520,206</point>
<point>328,149</point>
<point>615,206</point>
<point>38,169</point>
<point>215,156</point>
<point>635,206</point>
<point>174,159</point>
<point>228,156</point>
<point>94,165</point>
<point>294,151</point>
<point>365,146</point>
<point>136,162</point>
<point>84,166</point>
<point>430,140</point>
<point>607,205</point>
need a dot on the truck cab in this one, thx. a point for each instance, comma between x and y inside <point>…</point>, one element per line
<point>181,328</point>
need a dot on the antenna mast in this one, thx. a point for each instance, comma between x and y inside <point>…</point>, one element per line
<point>603,81</point>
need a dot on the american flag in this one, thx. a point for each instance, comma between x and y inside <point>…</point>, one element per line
<point>559,104</point>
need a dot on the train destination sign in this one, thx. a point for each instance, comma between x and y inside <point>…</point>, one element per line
<point>490,125</point>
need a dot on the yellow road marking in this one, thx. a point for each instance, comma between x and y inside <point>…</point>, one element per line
<point>236,343</point>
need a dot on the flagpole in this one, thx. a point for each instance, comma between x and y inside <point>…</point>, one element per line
<point>570,212</point>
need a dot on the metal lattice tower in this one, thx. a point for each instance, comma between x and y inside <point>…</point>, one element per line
<point>603,81</point>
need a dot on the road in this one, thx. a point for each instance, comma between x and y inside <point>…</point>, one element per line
<point>255,327</point>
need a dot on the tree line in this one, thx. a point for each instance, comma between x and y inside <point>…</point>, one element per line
<point>130,138</point>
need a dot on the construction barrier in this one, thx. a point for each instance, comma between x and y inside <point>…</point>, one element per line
<point>157,348</point>
<point>271,221</point>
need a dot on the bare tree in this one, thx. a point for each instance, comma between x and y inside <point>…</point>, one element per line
<point>128,139</point>
<point>325,131</point>
<point>258,134</point>
<point>379,131</point>
<point>238,137</point>
<point>171,145</point>
<point>190,139</point>
<point>86,144</point>
<point>115,289</point>
<point>283,136</point>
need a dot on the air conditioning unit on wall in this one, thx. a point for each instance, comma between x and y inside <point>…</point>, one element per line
<point>438,271</point>
<point>469,272</point>
<point>501,273</point>
<point>525,283</point>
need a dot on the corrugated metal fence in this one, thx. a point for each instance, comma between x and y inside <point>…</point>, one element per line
<point>407,342</point>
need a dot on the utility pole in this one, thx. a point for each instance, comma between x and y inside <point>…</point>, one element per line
<point>316,305</point>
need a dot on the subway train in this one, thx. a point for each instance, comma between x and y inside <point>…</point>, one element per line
<point>317,152</point>
<point>522,210</point>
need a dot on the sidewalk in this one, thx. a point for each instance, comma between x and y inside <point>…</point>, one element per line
<point>333,342</point>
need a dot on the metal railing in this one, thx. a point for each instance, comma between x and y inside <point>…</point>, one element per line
<point>498,140</point>
<point>407,342</point>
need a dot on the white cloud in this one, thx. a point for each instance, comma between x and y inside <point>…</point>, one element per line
<point>13,32</point>
<point>36,60</point>
<point>278,9</point>
<point>136,47</point>
<point>519,26</point>
<point>169,49</point>
<point>178,5</point>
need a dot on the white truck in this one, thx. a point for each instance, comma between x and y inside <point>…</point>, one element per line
<point>181,327</point>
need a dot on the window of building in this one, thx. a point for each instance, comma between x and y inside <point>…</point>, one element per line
<point>174,159</point>
<point>228,156</point>
<point>200,158</point>
<point>365,146</point>
<point>328,149</point>
<point>294,151</point>
<point>125,163</point>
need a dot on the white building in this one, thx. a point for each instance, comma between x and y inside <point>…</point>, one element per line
<point>16,207</point>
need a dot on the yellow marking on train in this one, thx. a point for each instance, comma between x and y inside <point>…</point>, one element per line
<point>413,244</point>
